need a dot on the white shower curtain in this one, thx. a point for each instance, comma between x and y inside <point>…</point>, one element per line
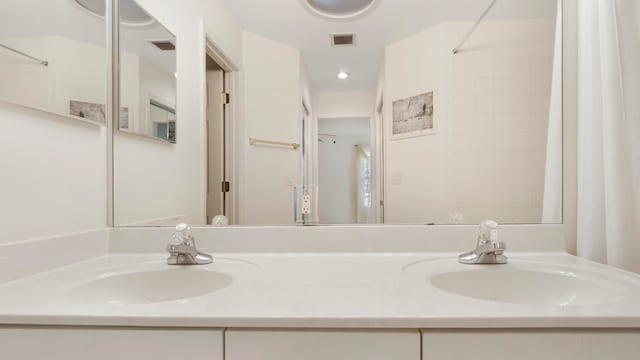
<point>609,132</point>
<point>552,203</point>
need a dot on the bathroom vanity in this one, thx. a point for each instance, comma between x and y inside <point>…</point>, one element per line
<point>408,299</point>
<point>461,121</point>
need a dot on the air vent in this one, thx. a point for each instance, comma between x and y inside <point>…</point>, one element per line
<point>164,45</point>
<point>343,39</point>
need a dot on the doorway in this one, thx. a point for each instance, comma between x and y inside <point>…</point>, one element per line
<point>344,171</point>
<point>216,125</point>
<point>219,93</point>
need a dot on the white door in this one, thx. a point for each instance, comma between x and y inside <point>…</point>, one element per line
<point>215,144</point>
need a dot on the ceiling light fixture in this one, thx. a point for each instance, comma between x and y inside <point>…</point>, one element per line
<point>339,9</point>
<point>343,75</point>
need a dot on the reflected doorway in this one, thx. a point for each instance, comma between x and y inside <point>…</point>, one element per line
<point>344,171</point>
<point>217,99</point>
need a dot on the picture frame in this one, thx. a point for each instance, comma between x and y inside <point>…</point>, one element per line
<point>414,116</point>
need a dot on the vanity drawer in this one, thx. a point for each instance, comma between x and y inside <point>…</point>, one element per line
<point>96,343</point>
<point>530,344</point>
<point>321,345</point>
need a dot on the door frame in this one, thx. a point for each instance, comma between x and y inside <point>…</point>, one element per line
<point>210,45</point>
<point>378,161</point>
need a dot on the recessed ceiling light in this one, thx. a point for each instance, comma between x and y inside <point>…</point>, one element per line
<point>339,9</point>
<point>343,75</point>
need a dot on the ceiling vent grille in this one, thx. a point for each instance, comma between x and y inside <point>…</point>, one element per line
<point>343,39</point>
<point>164,45</point>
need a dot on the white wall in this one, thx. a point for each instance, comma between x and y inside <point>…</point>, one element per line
<point>157,84</point>
<point>54,168</point>
<point>53,174</point>
<point>337,168</point>
<point>491,104</point>
<point>272,111</point>
<point>417,184</point>
<point>343,104</point>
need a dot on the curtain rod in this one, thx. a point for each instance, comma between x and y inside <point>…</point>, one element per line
<point>474,27</point>
<point>42,62</point>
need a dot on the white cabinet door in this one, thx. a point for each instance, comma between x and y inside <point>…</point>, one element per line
<point>74,343</point>
<point>321,345</point>
<point>531,344</point>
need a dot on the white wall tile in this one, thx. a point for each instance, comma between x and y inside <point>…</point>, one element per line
<point>504,85</point>
<point>522,141</point>
<point>537,195</point>
<point>505,92</point>
<point>522,196</point>
<point>521,85</point>
<point>484,85</point>
<point>464,160</point>
<point>484,104</point>
<point>503,104</point>
<point>521,122</point>
<point>464,142</point>
<point>503,123</point>
<point>462,85</point>
<point>494,160</point>
<point>463,105</point>
<point>522,104</point>
<point>539,104</point>
<point>541,85</point>
<point>464,123</point>
<point>483,66</point>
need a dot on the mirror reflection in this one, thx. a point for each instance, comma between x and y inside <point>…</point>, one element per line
<point>146,140</point>
<point>53,57</point>
<point>394,112</point>
<point>148,75</point>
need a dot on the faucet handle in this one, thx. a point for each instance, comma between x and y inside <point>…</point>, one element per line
<point>488,231</point>
<point>182,235</point>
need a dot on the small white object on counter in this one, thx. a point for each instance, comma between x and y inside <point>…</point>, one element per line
<point>220,220</point>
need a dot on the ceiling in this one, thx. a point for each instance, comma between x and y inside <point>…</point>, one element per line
<point>24,18</point>
<point>291,22</point>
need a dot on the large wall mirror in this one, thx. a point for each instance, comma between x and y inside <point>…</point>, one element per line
<point>364,120</point>
<point>53,57</point>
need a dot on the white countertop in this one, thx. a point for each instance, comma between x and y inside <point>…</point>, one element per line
<point>348,290</point>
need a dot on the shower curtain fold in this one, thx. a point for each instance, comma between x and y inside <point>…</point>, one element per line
<point>552,200</point>
<point>608,224</point>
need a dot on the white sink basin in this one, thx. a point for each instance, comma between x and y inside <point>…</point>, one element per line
<point>151,286</point>
<point>524,282</point>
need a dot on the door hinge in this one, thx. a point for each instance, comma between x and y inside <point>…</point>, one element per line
<point>225,186</point>
<point>226,98</point>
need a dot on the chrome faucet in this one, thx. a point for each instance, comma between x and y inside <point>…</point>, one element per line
<point>183,249</point>
<point>488,249</point>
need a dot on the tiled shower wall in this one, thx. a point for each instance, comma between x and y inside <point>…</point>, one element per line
<point>499,110</point>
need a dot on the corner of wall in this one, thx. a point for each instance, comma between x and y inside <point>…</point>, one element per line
<point>570,120</point>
